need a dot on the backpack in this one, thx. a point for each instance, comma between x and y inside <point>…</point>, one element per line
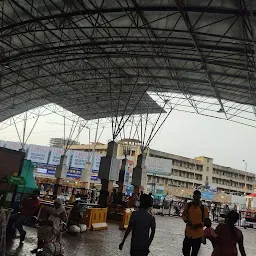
<point>201,207</point>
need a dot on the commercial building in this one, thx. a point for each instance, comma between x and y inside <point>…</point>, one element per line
<point>186,172</point>
<point>128,147</point>
<point>192,173</point>
<point>60,142</point>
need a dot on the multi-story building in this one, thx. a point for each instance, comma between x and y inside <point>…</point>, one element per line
<point>60,142</point>
<point>128,147</point>
<point>186,172</point>
<point>100,148</point>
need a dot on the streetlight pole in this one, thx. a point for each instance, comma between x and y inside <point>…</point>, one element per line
<point>245,174</point>
<point>194,175</point>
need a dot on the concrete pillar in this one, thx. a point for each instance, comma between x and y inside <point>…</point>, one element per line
<point>60,174</point>
<point>86,176</point>
<point>105,173</point>
<point>139,176</point>
<point>121,179</point>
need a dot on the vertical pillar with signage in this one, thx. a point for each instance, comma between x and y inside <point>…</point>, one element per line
<point>108,172</point>
<point>123,179</point>
<point>60,174</point>
<point>139,176</point>
<point>86,176</point>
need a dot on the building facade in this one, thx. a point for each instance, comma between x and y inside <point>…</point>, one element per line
<point>186,172</point>
<point>60,142</point>
<point>193,173</point>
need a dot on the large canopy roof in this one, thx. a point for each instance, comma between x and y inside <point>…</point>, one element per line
<point>99,58</point>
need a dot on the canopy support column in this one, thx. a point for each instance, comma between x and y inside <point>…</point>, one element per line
<point>60,174</point>
<point>122,180</point>
<point>108,165</point>
<point>139,176</point>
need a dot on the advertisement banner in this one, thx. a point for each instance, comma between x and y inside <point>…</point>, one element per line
<point>160,166</point>
<point>2,143</point>
<point>55,154</point>
<point>114,169</point>
<point>96,162</point>
<point>78,160</point>
<point>207,195</point>
<point>94,177</point>
<point>130,165</point>
<point>74,174</point>
<point>13,145</point>
<point>51,172</point>
<point>38,154</point>
<point>126,177</point>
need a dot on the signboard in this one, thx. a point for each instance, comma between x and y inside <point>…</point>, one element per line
<point>114,169</point>
<point>70,173</point>
<point>159,190</point>
<point>126,177</point>
<point>55,155</point>
<point>207,195</point>
<point>13,145</point>
<point>212,188</point>
<point>10,162</point>
<point>94,177</point>
<point>79,159</point>
<point>41,170</point>
<point>38,154</point>
<point>2,143</point>
<point>129,190</point>
<point>74,174</point>
<point>159,166</point>
<point>96,162</point>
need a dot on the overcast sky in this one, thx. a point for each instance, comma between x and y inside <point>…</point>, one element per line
<point>184,134</point>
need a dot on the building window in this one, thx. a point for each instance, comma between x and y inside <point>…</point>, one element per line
<point>208,160</point>
<point>207,169</point>
<point>207,178</point>
<point>133,152</point>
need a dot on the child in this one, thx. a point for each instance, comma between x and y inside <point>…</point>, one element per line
<point>143,225</point>
<point>209,232</point>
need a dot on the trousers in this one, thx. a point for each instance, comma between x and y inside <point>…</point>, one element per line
<point>18,220</point>
<point>191,246</point>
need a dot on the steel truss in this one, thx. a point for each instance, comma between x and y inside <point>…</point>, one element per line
<point>108,58</point>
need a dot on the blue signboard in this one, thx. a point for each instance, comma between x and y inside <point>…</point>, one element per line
<point>207,195</point>
<point>129,190</point>
<point>94,178</point>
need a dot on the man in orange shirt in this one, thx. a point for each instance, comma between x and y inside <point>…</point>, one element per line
<point>194,215</point>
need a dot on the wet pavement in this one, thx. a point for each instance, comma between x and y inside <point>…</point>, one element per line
<point>168,241</point>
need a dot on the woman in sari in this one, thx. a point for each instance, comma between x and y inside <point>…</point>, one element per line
<point>50,229</point>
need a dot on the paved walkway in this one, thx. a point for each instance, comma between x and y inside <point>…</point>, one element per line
<point>168,241</point>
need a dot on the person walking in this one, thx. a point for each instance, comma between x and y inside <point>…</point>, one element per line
<point>194,215</point>
<point>226,211</point>
<point>141,222</point>
<point>51,226</point>
<point>151,203</point>
<point>28,208</point>
<point>228,236</point>
<point>213,210</point>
